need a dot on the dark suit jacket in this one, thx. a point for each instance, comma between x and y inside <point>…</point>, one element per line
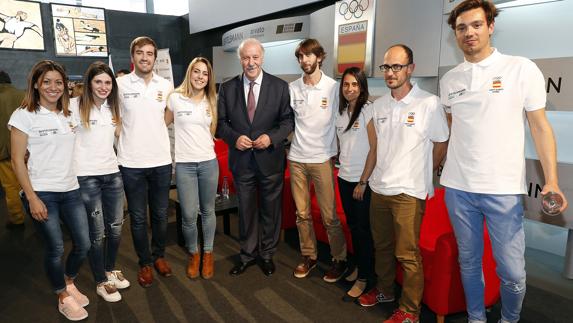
<point>273,116</point>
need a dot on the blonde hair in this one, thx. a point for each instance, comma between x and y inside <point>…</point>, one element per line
<point>186,89</point>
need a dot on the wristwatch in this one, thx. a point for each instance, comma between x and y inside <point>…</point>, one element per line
<point>362,183</point>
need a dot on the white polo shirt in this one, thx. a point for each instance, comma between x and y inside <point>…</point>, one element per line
<point>144,140</point>
<point>314,107</point>
<point>51,139</point>
<point>193,140</point>
<point>406,131</point>
<point>94,154</point>
<point>354,145</point>
<point>488,101</point>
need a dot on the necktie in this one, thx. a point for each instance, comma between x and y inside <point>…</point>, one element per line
<point>251,102</point>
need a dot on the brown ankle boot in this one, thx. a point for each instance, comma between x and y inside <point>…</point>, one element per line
<point>207,271</point>
<point>193,265</point>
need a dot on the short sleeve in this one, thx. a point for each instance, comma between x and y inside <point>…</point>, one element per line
<point>439,130</point>
<point>533,87</point>
<point>170,100</point>
<point>367,110</point>
<point>444,97</point>
<point>20,120</point>
<point>74,108</point>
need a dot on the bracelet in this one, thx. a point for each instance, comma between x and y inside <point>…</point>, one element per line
<point>362,183</point>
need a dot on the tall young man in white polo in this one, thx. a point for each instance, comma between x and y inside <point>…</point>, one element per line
<point>487,97</point>
<point>144,156</point>
<point>314,99</point>
<point>412,132</point>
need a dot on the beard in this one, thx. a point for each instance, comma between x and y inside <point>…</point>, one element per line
<point>310,69</point>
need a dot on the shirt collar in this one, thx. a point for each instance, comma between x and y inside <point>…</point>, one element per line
<point>257,81</point>
<point>492,58</point>
<point>410,96</point>
<point>105,104</point>
<point>318,85</point>
<point>43,110</point>
<point>134,78</point>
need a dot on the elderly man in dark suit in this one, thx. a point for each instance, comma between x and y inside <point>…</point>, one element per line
<point>255,119</point>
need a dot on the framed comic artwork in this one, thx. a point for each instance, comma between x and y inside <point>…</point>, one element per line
<point>79,31</point>
<point>21,25</point>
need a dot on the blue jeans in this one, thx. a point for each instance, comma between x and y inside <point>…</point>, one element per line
<point>103,198</point>
<point>197,189</point>
<point>503,216</point>
<point>143,185</point>
<point>67,207</point>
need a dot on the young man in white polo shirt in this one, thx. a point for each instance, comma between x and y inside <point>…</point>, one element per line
<point>412,132</point>
<point>486,97</point>
<point>314,99</point>
<point>144,156</point>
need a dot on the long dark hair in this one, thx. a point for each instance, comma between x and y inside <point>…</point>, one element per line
<point>86,100</point>
<point>31,101</point>
<point>362,97</point>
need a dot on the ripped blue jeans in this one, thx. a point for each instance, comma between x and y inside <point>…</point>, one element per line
<point>103,198</point>
<point>503,215</point>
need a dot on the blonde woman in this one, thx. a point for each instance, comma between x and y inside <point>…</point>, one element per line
<point>193,109</point>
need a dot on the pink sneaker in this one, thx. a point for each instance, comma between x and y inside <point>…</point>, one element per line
<point>80,298</point>
<point>71,310</point>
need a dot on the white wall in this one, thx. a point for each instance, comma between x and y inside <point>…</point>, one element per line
<point>209,14</point>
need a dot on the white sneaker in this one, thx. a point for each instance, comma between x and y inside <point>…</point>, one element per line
<point>80,298</point>
<point>71,309</point>
<point>108,292</point>
<point>117,278</point>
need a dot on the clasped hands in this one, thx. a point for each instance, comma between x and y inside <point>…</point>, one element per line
<point>244,142</point>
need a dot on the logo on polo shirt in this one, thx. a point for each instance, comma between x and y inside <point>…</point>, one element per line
<point>159,96</point>
<point>457,93</point>
<point>410,119</point>
<point>496,85</point>
<point>132,95</point>
<point>324,102</point>
<point>45,132</point>
<point>184,113</point>
<point>356,125</point>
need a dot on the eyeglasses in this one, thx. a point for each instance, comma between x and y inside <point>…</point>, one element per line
<point>394,67</point>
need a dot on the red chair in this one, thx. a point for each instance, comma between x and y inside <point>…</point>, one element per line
<point>222,152</point>
<point>443,290</point>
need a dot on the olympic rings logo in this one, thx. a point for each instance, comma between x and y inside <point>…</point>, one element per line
<point>353,8</point>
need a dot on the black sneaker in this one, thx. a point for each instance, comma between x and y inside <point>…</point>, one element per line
<point>336,271</point>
